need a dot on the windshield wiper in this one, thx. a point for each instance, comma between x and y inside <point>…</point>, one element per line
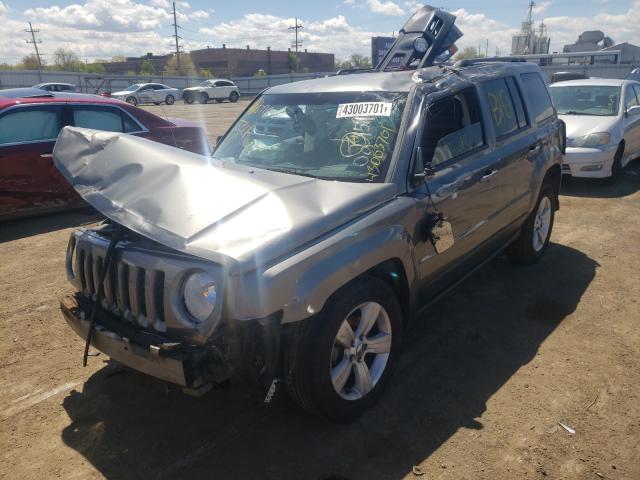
<point>289,171</point>
<point>574,112</point>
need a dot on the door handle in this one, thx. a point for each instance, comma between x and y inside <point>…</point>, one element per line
<point>488,176</point>
<point>46,155</point>
<point>534,150</point>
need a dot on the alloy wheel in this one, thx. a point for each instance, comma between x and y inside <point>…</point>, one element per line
<point>541,224</point>
<point>360,351</point>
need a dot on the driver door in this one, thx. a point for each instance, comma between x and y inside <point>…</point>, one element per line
<point>145,94</point>
<point>461,188</point>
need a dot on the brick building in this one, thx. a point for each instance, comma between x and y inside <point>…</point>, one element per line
<point>134,64</point>
<point>238,62</point>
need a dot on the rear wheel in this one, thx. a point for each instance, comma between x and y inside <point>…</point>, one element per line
<point>233,97</point>
<point>203,97</point>
<point>132,101</point>
<point>536,231</point>
<point>169,100</point>
<point>342,362</point>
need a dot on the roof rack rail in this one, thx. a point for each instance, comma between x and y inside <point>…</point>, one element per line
<point>474,61</point>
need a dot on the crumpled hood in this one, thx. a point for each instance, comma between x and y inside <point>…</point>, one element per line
<point>205,207</point>
<point>580,125</point>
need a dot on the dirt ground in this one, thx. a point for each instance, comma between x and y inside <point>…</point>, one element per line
<point>483,382</point>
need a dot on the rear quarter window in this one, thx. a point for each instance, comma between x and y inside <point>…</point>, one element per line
<point>537,94</point>
<point>503,112</point>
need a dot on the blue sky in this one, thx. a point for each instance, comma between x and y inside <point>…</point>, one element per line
<point>99,28</point>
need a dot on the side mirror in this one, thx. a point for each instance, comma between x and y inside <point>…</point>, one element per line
<point>421,174</point>
<point>633,111</point>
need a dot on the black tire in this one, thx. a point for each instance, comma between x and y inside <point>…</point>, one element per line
<point>169,100</point>
<point>188,98</point>
<point>132,101</point>
<point>203,97</point>
<point>523,249</point>
<point>308,357</point>
<point>233,97</point>
<point>616,167</point>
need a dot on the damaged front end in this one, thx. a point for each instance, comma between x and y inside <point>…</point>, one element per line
<point>144,321</point>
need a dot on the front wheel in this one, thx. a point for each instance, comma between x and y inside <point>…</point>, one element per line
<point>536,231</point>
<point>132,101</point>
<point>341,363</point>
<point>169,100</point>
<point>203,98</point>
<point>188,98</point>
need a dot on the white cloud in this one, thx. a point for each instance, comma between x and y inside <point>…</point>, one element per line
<point>541,7</point>
<point>199,15</point>
<point>4,8</point>
<point>385,7</point>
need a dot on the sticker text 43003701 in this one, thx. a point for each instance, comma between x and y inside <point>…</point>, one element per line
<point>364,109</point>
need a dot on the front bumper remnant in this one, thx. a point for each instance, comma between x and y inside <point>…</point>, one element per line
<point>170,361</point>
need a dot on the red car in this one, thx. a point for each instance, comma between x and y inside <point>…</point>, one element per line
<point>30,120</point>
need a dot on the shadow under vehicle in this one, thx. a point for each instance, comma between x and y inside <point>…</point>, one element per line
<point>459,354</point>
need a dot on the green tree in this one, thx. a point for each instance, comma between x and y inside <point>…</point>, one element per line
<point>468,52</point>
<point>355,61</point>
<point>294,62</point>
<point>94,67</point>
<point>187,68</point>
<point>66,60</point>
<point>29,62</point>
<point>147,68</point>
<point>206,72</point>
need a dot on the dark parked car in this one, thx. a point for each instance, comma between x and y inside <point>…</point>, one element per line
<point>56,87</point>
<point>30,121</point>
<point>333,212</point>
<point>634,75</point>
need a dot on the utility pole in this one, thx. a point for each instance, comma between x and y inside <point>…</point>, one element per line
<point>35,44</point>
<point>176,36</point>
<point>297,44</point>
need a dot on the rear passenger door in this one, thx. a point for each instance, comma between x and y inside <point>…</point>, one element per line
<point>109,119</point>
<point>514,147</point>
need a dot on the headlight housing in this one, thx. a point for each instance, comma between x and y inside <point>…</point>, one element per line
<point>200,295</point>
<point>592,140</point>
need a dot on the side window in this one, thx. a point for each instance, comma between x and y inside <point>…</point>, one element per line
<point>636,88</point>
<point>452,128</point>
<point>516,98</point>
<point>29,124</point>
<point>503,113</point>
<point>158,87</point>
<point>97,118</point>
<point>630,97</point>
<point>218,84</point>
<point>536,91</point>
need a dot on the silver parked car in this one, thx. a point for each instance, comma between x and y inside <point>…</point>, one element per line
<point>218,90</point>
<point>156,93</point>
<point>603,125</point>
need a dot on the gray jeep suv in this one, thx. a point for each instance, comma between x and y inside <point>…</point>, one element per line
<point>330,215</point>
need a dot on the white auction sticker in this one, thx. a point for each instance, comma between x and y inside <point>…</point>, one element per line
<point>364,109</point>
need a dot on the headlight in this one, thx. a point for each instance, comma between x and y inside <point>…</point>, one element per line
<point>200,294</point>
<point>592,140</point>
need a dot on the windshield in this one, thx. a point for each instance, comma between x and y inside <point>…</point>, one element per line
<point>206,83</point>
<point>333,136</point>
<point>600,100</point>
<point>131,88</point>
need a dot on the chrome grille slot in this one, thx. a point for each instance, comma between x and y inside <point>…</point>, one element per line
<point>80,268</point>
<point>96,267</point>
<point>88,274</point>
<point>154,298</point>
<point>122,290</point>
<point>136,295</point>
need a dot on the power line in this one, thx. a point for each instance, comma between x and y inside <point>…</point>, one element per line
<point>175,35</point>
<point>297,44</point>
<point>35,43</point>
